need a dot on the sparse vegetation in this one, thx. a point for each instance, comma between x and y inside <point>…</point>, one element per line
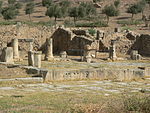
<point>29,9</point>
<point>54,11</point>
<point>11,1</point>
<point>135,9</point>
<point>117,3</point>
<point>47,3</point>
<point>92,24</point>
<point>130,22</point>
<point>110,11</point>
<point>92,31</point>
<point>9,12</point>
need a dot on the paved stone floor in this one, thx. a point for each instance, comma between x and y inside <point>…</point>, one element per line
<point>105,87</point>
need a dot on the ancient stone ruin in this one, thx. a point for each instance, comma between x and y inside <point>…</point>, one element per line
<point>78,45</point>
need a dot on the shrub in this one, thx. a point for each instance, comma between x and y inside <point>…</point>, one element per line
<point>116,3</point>
<point>92,31</point>
<point>9,12</point>
<point>46,3</point>
<point>18,5</point>
<point>8,22</point>
<point>68,23</point>
<point>11,1</point>
<point>137,104</point>
<point>92,24</point>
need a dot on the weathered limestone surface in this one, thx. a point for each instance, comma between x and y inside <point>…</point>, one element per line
<point>63,54</point>
<point>31,58</point>
<point>34,58</point>
<point>49,51</point>
<point>135,55</point>
<point>37,59</point>
<point>112,51</point>
<point>101,73</point>
<point>144,44</point>
<point>7,55</point>
<point>147,71</point>
<point>87,54</point>
<point>117,29</point>
<point>15,48</point>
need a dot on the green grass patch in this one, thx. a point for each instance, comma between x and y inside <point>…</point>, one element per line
<point>69,102</point>
<point>8,22</point>
<point>30,23</point>
<point>127,28</point>
<point>92,24</point>
<point>130,22</point>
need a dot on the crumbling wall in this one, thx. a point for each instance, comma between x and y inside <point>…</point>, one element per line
<point>38,33</point>
<point>61,39</point>
<point>144,44</point>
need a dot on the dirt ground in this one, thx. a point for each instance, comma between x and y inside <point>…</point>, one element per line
<point>10,71</point>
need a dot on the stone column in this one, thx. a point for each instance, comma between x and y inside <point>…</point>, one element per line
<point>112,51</point>
<point>31,58</point>
<point>135,56</point>
<point>7,55</point>
<point>37,59</point>
<point>117,30</point>
<point>49,51</point>
<point>31,46</point>
<point>133,53</point>
<point>63,54</point>
<point>87,54</point>
<point>97,48</point>
<point>15,48</point>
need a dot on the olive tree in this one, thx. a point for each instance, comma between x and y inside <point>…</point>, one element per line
<point>9,12</point>
<point>135,9</point>
<point>54,11</point>
<point>148,2</point>
<point>47,3</point>
<point>11,1</point>
<point>110,11</point>
<point>73,12</point>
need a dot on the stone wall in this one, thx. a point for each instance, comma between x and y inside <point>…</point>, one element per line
<point>144,44</point>
<point>38,33</point>
<point>100,73</point>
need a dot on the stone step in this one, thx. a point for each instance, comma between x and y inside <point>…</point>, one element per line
<point>34,79</point>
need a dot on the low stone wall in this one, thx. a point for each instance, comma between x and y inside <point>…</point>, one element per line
<point>115,74</point>
<point>100,73</point>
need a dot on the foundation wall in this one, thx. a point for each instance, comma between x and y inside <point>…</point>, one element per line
<point>103,73</point>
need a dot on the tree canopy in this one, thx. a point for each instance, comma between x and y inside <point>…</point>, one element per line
<point>29,8</point>
<point>9,12</point>
<point>110,11</point>
<point>54,11</point>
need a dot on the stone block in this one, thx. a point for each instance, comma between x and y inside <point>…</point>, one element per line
<point>37,59</point>
<point>135,55</point>
<point>63,54</point>
<point>117,30</point>
<point>7,55</point>
<point>31,58</point>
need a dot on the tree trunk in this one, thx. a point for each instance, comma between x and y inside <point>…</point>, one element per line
<point>107,20</point>
<point>74,19</point>
<point>132,17</point>
<point>30,17</point>
<point>142,14</point>
<point>55,22</point>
